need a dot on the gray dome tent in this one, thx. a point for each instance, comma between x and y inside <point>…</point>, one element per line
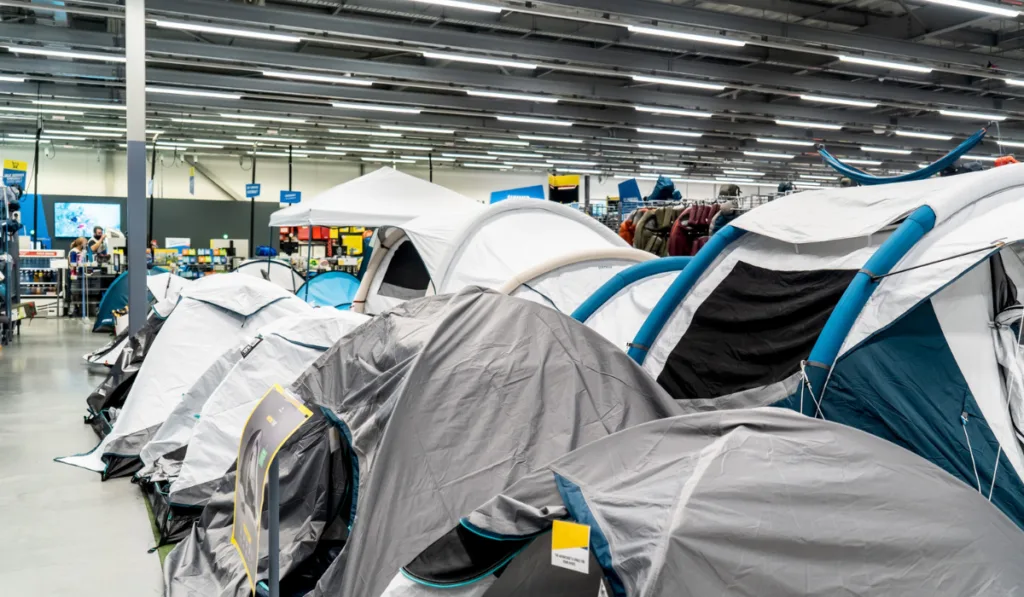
<point>755,502</point>
<point>429,410</point>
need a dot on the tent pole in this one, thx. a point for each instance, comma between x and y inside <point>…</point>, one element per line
<point>252,212</point>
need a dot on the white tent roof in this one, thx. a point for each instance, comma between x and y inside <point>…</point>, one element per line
<point>386,197</point>
<point>489,246</point>
<point>833,214</point>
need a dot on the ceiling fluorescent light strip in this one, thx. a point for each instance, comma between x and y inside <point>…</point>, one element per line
<point>578,171</point>
<point>764,154</point>
<point>513,96</point>
<point>663,168</point>
<point>666,147</point>
<point>421,158</point>
<point>388,160</point>
<point>842,101</point>
<point>247,125</point>
<point>794,142</point>
<point>886,150</point>
<point>979,7</point>
<point>224,142</point>
<point>723,41</point>
<point>468,156</point>
<point>673,111</point>
<point>884,64</point>
<point>259,139</point>
<point>515,154</point>
<point>551,139</point>
<point>463,5</point>
<point>375,108</point>
<point>264,118</point>
<point>809,125</point>
<point>918,135</point>
<point>417,129</point>
<point>41,111</point>
<point>528,120</point>
<point>860,162</point>
<point>83,105</point>
<point>365,132</point>
<point>491,166</point>
<point>1011,143</point>
<point>402,147</point>
<point>355,149</point>
<point>668,132</point>
<point>479,60</point>
<point>66,54</point>
<point>677,82</point>
<point>972,115</point>
<point>283,74</point>
<point>231,31</point>
<point>572,163</point>
<point>529,164</point>
<point>497,141</point>
<point>193,92</point>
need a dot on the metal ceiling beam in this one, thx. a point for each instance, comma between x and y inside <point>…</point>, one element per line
<point>935,19</point>
<point>683,15</point>
<point>630,60</point>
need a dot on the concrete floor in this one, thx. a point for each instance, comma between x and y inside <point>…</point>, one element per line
<point>63,531</point>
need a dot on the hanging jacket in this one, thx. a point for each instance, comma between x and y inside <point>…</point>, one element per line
<point>652,230</point>
<point>679,243</point>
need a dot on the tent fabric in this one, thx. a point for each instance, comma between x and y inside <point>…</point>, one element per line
<point>444,401</point>
<point>565,282</point>
<point>385,197</point>
<point>159,283</point>
<point>760,252</point>
<point>209,424</point>
<point>619,307</point>
<point>838,213</point>
<point>162,286</point>
<point>213,314</point>
<point>335,290</point>
<point>275,270</point>
<point>674,510</point>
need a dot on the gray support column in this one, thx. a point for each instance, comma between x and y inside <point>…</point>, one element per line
<point>135,95</point>
<point>586,194</point>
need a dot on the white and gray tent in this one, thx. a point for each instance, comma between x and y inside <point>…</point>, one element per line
<point>197,445</point>
<point>620,306</point>
<point>162,287</point>
<point>424,414</point>
<point>881,307</point>
<point>757,502</point>
<point>278,271</point>
<point>212,314</point>
<point>537,250</point>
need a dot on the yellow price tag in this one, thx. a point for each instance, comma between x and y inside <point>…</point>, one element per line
<point>570,546</point>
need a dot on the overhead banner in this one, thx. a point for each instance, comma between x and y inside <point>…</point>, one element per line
<point>15,173</point>
<point>564,188</point>
<point>276,417</point>
<point>534,192</point>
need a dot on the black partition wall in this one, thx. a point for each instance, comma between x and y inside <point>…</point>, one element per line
<point>197,219</point>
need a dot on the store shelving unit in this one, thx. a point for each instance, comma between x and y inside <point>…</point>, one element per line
<point>41,279</point>
<point>10,311</point>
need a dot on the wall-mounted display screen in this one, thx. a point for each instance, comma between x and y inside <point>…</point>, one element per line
<point>78,219</point>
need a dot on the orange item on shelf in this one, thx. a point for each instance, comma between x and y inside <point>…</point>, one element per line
<point>626,231</point>
<point>1006,159</point>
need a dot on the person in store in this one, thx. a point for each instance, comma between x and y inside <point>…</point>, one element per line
<point>75,255</point>
<point>98,242</point>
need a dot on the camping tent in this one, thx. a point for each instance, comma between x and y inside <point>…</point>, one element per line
<point>200,437</point>
<point>278,271</point>
<point>619,307</point>
<point>115,298</point>
<point>537,250</point>
<point>330,289</point>
<point>385,197</point>
<point>213,314</point>
<point>758,502</point>
<point>876,307</point>
<point>435,405</point>
<point>162,287</point>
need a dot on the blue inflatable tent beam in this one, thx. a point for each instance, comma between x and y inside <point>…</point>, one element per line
<point>841,321</point>
<point>623,279</point>
<point>863,178</point>
<point>679,289</point>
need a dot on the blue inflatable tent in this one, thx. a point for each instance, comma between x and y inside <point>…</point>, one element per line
<point>894,309</point>
<point>115,299</point>
<point>330,289</point>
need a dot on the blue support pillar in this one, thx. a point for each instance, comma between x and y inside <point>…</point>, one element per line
<point>679,289</point>
<point>839,324</point>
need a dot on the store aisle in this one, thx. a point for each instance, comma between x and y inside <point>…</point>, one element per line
<point>63,531</point>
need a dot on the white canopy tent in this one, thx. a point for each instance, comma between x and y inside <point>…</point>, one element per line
<point>386,197</point>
